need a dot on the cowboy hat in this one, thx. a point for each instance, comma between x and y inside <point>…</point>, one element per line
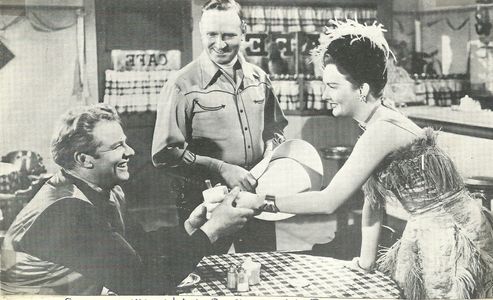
<point>293,167</point>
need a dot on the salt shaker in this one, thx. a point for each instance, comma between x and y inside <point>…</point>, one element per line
<point>242,280</point>
<point>231,278</point>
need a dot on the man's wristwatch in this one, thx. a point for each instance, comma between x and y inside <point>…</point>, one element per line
<point>269,204</point>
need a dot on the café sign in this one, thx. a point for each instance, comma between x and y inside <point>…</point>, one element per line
<point>257,44</point>
<point>145,60</point>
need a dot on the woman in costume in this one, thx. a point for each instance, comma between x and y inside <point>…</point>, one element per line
<point>446,250</point>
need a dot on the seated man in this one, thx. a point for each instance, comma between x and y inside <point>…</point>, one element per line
<point>74,236</point>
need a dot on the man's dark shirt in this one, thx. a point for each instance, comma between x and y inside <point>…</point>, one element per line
<point>74,239</point>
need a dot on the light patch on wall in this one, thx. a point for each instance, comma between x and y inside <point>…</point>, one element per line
<point>35,88</point>
<point>447,54</point>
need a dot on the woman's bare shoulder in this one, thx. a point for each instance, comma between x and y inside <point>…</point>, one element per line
<point>388,135</point>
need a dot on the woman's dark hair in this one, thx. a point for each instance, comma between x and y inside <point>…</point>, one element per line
<point>360,61</point>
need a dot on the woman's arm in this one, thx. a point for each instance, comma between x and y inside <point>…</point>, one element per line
<point>371,221</point>
<point>373,146</point>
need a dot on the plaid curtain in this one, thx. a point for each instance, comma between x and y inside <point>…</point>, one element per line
<point>307,19</point>
<point>134,91</point>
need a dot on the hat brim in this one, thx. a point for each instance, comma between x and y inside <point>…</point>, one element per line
<point>295,167</point>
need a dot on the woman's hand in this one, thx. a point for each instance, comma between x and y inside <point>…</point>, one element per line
<point>355,264</point>
<point>249,200</point>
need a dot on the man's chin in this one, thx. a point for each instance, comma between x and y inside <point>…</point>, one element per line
<point>221,60</point>
<point>123,177</point>
<point>336,111</point>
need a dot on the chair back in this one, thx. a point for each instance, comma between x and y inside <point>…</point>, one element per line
<point>28,161</point>
<point>388,237</point>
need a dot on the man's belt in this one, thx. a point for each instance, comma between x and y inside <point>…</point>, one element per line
<point>195,177</point>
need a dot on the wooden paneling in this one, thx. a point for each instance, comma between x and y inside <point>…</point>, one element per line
<point>141,25</point>
<point>44,3</point>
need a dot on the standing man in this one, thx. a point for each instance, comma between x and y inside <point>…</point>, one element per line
<point>216,119</point>
<point>75,238</point>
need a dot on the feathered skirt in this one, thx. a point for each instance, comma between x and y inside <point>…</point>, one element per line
<point>445,253</point>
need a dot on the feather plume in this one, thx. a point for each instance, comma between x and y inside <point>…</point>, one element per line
<point>373,32</point>
<point>472,269</point>
<point>387,259</point>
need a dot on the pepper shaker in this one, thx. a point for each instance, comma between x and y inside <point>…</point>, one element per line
<point>242,280</point>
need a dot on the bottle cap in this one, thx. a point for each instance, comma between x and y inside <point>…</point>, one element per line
<point>240,269</point>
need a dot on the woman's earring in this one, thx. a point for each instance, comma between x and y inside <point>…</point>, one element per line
<point>362,97</point>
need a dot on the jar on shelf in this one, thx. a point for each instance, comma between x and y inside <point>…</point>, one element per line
<point>483,187</point>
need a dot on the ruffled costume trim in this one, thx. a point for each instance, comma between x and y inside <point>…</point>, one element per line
<point>413,286</point>
<point>466,279</point>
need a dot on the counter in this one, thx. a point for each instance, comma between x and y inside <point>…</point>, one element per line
<point>470,123</point>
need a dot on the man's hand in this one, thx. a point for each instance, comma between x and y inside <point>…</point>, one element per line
<point>236,176</point>
<point>273,143</point>
<point>249,200</point>
<point>269,147</point>
<point>277,140</point>
<point>196,219</point>
<point>226,219</point>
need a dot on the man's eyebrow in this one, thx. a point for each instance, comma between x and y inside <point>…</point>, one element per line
<point>118,142</point>
<point>115,144</point>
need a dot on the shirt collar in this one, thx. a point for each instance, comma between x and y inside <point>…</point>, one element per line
<point>210,70</point>
<point>90,190</point>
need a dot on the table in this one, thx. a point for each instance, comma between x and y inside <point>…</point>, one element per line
<point>327,276</point>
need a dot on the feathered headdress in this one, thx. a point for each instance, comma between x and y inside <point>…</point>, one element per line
<point>373,32</point>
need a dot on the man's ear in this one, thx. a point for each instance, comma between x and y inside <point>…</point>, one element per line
<point>84,160</point>
<point>243,26</point>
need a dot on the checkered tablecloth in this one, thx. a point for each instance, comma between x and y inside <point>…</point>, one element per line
<point>327,277</point>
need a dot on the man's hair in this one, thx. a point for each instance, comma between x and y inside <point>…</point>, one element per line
<point>223,5</point>
<point>74,132</point>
